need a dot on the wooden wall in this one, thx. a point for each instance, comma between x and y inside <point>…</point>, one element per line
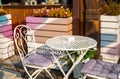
<point>19,15</point>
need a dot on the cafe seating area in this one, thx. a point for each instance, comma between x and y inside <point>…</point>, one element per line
<point>46,60</point>
<point>60,39</point>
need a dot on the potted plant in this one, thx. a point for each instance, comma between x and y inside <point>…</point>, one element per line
<point>111,11</point>
<point>56,15</point>
<point>110,31</point>
<point>50,22</point>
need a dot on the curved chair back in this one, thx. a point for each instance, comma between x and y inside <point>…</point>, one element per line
<point>24,40</point>
<point>38,59</point>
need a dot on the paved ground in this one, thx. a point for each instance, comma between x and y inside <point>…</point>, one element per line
<point>9,64</point>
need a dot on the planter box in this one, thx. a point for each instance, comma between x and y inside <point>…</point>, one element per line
<point>110,37</point>
<point>46,28</point>
<point>110,18</point>
<point>49,20</point>
<point>6,35</point>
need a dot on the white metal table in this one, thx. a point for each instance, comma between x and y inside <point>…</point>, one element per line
<point>80,44</point>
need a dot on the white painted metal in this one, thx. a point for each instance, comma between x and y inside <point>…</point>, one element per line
<point>79,44</point>
<point>24,33</point>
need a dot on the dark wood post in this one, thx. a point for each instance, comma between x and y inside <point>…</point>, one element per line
<point>92,26</point>
<point>78,17</point>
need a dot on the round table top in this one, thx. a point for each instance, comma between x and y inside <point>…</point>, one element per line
<point>71,42</point>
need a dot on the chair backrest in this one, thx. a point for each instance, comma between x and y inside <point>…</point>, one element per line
<point>24,40</point>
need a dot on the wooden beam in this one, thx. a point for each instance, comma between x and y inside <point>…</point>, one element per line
<point>78,17</point>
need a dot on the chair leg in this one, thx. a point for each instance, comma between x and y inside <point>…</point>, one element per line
<point>37,73</point>
<point>49,74</point>
<point>34,74</point>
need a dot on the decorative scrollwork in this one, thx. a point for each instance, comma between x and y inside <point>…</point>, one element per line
<point>24,39</point>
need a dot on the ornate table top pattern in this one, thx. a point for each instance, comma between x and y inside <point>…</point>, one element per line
<point>63,43</point>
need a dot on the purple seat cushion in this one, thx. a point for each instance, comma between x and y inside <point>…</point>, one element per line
<point>39,59</point>
<point>101,69</point>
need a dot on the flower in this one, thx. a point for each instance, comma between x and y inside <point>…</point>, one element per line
<point>52,12</point>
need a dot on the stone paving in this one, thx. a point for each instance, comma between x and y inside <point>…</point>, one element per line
<point>7,64</point>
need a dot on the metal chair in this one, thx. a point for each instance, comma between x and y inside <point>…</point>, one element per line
<point>101,70</point>
<point>30,56</point>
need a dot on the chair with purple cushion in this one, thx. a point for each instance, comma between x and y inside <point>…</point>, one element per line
<point>40,58</point>
<point>101,69</point>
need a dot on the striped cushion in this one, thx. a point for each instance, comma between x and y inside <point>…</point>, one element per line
<point>101,69</point>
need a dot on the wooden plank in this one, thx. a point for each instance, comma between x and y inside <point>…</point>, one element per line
<point>109,18</point>
<point>109,44</point>
<point>6,22</point>
<point>6,39</point>
<point>111,61</point>
<point>5,45</point>
<point>5,55</point>
<point>5,17</point>
<point>5,50</point>
<point>110,50</point>
<point>110,57</point>
<point>113,25</point>
<point>41,39</point>
<point>6,33</point>
<point>50,27</point>
<point>49,20</point>
<point>108,37</point>
<point>51,33</point>
<point>109,31</point>
<point>5,28</point>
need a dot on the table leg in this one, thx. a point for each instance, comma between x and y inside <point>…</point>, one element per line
<point>75,63</point>
<point>57,61</point>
